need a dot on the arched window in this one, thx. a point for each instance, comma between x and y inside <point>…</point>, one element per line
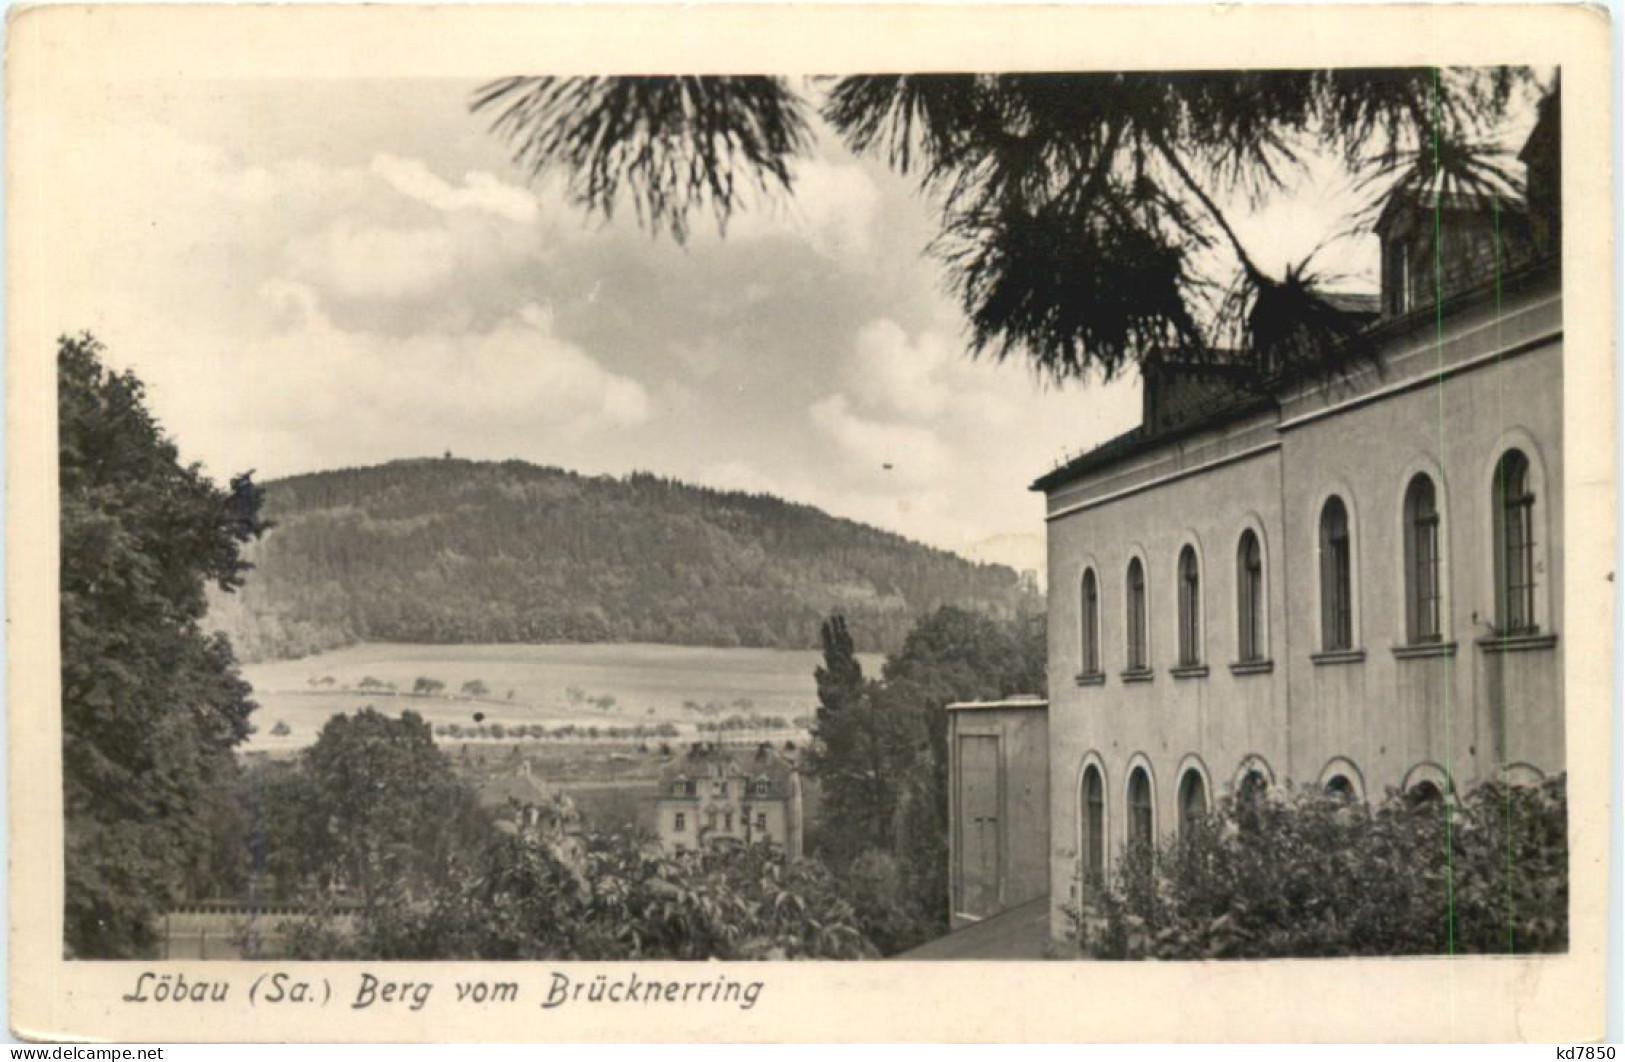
<point>1190,609</point>
<point>1423,586</point>
<point>1339,787</point>
<point>1424,795</point>
<point>1137,657</point>
<point>1091,623</point>
<point>1514,545</point>
<point>1192,800</point>
<point>1250,598</point>
<point>1141,821</point>
<point>1336,581</point>
<point>1092,806</point>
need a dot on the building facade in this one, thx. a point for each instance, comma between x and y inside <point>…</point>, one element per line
<point>717,794</point>
<point>1355,584</point>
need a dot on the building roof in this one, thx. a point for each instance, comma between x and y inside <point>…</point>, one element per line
<point>1025,701</point>
<point>1019,933</point>
<point>1359,304</point>
<point>1222,410</point>
<point>516,786</point>
<point>704,760</point>
<point>1141,440</point>
<point>1406,204</point>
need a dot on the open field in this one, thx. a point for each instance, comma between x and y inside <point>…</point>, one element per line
<point>586,685</point>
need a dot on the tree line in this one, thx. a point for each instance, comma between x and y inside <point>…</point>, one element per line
<point>453,551</point>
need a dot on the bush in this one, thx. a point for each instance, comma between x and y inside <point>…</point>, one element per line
<point>888,912</point>
<point>606,897</point>
<point>1312,875</point>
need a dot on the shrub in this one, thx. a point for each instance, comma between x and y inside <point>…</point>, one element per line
<point>1312,875</point>
<point>606,897</point>
<point>887,910</point>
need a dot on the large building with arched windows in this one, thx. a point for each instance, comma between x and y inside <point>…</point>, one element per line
<point>1353,584</point>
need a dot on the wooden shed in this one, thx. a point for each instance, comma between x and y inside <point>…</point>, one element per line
<point>998,806</point>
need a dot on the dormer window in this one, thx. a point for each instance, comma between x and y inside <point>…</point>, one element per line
<point>1437,246</point>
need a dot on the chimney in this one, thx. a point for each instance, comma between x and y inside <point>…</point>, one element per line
<point>1542,158</point>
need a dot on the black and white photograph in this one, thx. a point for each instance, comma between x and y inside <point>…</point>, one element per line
<point>1062,515</point>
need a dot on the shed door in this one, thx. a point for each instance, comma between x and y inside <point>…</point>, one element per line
<point>979,825</point>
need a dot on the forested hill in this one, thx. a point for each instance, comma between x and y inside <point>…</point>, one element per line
<point>459,551</point>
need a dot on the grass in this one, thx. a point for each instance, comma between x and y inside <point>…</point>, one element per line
<point>603,685</point>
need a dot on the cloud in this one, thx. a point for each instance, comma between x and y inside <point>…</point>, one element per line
<point>479,192</point>
<point>929,377</point>
<point>837,205</point>
<point>517,372</point>
<point>376,262</point>
<point>903,452</point>
<point>834,208</point>
<point>416,241</point>
<point>307,392</point>
<point>895,373</point>
<point>705,358</point>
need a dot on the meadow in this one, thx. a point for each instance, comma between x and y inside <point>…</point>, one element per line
<point>586,685</point>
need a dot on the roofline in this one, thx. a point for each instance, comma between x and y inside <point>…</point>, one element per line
<point>1082,465</point>
<point>1011,702</point>
<point>1380,331</point>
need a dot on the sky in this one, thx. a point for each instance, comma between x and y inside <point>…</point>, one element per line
<point>311,275</point>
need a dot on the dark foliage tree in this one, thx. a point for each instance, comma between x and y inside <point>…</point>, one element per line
<point>840,677</point>
<point>1080,214</point>
<point>673,145</point>
<point>373,810</point>
<point>881,759</point>
<point>152,706</point>
<point>862,755</point>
